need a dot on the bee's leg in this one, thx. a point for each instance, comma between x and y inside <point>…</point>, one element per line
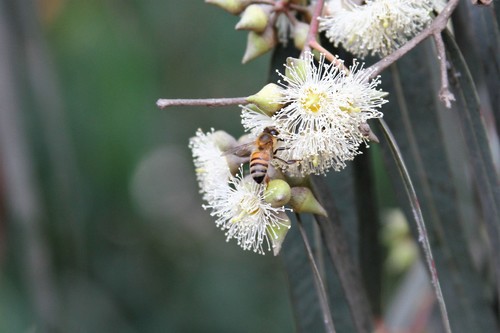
<point>278,149</point>
<point>282,160</point>
<point>287,162</point>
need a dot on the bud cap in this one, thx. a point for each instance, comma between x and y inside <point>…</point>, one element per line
<point>254,18</point>
<point>303,201</point>
<point>268,98</point>
<point>234,7</point>
<point>277,193</point>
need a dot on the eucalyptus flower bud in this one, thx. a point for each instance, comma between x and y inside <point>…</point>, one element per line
<point>277,234</point>
<point>254,18</point>
<point>234,7</point>
<point>277,193</point>
<point>297,66</point>
<point>303,201</point>
<point>300,30</point>
<point>267,99</point>
<point>258,44</point>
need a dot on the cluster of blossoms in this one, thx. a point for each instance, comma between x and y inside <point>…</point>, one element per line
<point>319,111</point>
<point>249,212</point>
<point>377,27</point>
<point>268,23</point>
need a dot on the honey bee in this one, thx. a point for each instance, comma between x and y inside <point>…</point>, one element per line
<point>261,152</point>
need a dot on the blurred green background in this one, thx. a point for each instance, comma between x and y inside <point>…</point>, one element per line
<point>102,228</point>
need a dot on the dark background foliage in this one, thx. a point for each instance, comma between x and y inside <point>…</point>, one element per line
<point>101,225</point>
<point>118,241</point>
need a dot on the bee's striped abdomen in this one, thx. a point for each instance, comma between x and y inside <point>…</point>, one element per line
<point>259,162</point>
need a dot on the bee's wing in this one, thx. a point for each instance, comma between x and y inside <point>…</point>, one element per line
<point>243,150</point>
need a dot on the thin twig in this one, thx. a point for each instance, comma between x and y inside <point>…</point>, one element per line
<point>313,26</point>
<point>210,102</point>
<point>438,25</point>
<point>318,282</point>
<point>445,95</point>
<point>329,56</point>
<point>419,219</point>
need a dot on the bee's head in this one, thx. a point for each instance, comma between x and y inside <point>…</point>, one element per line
<point>271,130</point>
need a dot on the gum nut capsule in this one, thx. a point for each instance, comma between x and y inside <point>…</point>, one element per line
<point>258,44</point>
<point>303,201</point>
<point>277,193</point>
<point>268,98</point>
<point>278,233</point>
<point>254,18</point>
<point>234,7</point>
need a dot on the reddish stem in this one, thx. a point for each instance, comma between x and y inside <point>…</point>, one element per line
<point>313,26</point>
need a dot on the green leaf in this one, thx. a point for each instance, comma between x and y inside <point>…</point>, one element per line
<point>478,37</point>
<point>423,131</point>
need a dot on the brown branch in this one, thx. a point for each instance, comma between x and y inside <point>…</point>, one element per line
<point>438,25</point>
<point>445,95</point>
<point>209,102</point>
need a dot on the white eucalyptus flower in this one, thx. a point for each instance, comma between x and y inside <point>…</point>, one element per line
<point>241,210</point>
<point>324,108</point>
<point>254,120</point>
<point>378,27</point>
<point>212,170</point>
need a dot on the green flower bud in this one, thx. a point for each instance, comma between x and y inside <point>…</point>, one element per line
<point>267,99</point>
<point>234,7</point>
<point>254,18</point>
<point>299,66</point>
<point>303,201</point>
<point>402,258</point>
<point>300,34</point>
<point>258,44</point>
<point>277,193</point>
<point>277,234</point>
